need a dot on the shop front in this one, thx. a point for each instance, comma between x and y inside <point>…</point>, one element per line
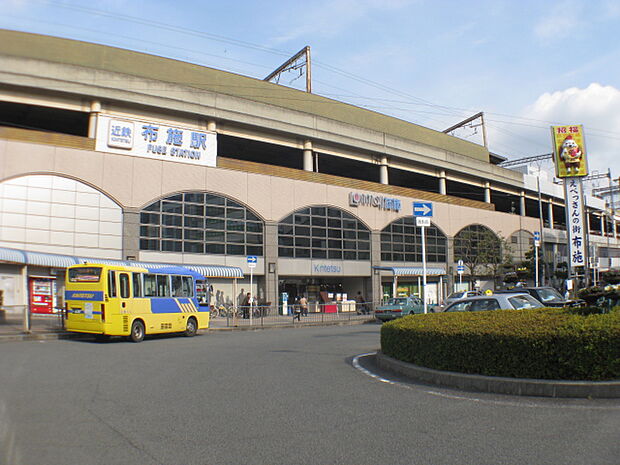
<point>328,286</point>
<point>407,281</point>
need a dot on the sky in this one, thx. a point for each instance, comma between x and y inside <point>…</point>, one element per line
<point>526,64</point>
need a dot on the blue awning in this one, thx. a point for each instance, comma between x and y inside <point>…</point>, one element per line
<point>412,270</point>
<point>24,257</point>
<point>12,256</point>
<point>216,271</point>
<point>51,260</point>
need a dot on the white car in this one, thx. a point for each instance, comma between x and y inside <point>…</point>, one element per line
<point>457,296</point>
<point>503,301</point>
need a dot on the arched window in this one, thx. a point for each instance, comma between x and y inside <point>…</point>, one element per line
<point>478,244</point>
<point>401,241</point>
<point>61,215</point>
<point>323,232</point>
<point>201,223</point>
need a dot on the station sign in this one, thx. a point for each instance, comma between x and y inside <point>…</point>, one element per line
<point>358,199</point>
<point>153,140</point>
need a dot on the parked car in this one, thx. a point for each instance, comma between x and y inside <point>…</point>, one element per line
<point>454,297</point>
<point>549,296</point>
<point>397,307</point>
<point>501,301</point>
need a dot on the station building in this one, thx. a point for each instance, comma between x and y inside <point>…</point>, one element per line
<point>114,155</point>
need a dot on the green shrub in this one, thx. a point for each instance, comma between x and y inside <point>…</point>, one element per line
<point>540,344</point>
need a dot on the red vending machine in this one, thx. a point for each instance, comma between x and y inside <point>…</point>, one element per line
<point>42,294</point>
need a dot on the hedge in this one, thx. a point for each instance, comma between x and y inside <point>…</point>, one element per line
<point>539,343</point>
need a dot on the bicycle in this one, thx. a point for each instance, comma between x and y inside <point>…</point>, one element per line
<point>223,310</point>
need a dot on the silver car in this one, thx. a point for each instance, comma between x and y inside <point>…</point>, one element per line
<point>454,297</point>
<point>504,301</point>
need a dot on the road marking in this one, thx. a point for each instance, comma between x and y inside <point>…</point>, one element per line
<point>356,364</point>
<point>359,367</point>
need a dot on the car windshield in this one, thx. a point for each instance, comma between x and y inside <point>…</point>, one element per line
<point>397,301</point>
<point>520,302</point>
<point>548,295</point>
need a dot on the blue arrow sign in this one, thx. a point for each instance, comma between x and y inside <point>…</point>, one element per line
<point>536,235</point>
<point>423,209</point>
<point>252,259</point>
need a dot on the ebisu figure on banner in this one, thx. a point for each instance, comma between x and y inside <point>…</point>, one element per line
<point>571,155</point>
<point>569,151</point>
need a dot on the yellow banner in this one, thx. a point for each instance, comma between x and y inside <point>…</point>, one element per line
<point>569,151</point>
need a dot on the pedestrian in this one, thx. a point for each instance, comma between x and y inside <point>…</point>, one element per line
<point>361,305</point>
<point>303,303</point>
<point>245,305</point>
<point>297,310</point>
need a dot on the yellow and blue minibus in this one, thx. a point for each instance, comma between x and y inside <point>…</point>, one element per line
<point>116,300</point>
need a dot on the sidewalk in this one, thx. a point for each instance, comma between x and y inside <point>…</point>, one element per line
<point>49,327</point>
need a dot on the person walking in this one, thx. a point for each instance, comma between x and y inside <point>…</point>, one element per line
<point>361,304</point>
<point>297,310</point>
<point>245,305</point>
<point>303,303</point>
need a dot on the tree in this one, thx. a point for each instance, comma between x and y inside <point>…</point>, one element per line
<point>481,251</point>
<point>497,256</point>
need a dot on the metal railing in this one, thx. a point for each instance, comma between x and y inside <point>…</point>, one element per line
<point>17,319</point>
<point>270,315</point>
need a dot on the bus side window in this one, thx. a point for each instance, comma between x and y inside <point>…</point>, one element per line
<point>163,285</point>
<point>111,284</point>
<point>177,286</point>
<point>188,286</point>
<point>137,284</point>
<point>150,285</point>
<point>123,283</point>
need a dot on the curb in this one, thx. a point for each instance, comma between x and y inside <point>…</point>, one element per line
<point>53,336</point>
<point>501,385</point>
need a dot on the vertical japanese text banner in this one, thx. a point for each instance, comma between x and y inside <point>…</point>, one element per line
<point>575,224</point>
<point>569,151</point>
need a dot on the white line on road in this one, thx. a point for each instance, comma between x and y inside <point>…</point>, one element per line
<point>542,404</point>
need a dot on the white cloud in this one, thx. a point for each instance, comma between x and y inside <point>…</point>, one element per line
<point>597,107</point>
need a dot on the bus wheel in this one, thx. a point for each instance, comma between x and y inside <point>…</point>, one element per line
<point>137,331</point>
<point>192,327</point>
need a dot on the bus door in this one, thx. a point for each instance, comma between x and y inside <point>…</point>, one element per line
<point>124,292</point>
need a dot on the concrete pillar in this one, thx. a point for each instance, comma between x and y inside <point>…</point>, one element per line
<point>522,203</point>
<point>550,212</point>
<point>25,300</point>
<point>308,156</point>
<point>383,171</point>
<point>131,234</point>
<point>603,225</point>
<point>450,264</point>
<point>487,192</point>
<point>95,109</point>
<point>375,260</point>
<point>211,125</point>
<point>442,182</point>
<point>270,254</point>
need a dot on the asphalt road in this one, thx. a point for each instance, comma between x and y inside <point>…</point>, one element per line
<point>280,396</point>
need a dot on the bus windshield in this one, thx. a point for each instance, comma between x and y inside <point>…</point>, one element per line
<point>85,275</point>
